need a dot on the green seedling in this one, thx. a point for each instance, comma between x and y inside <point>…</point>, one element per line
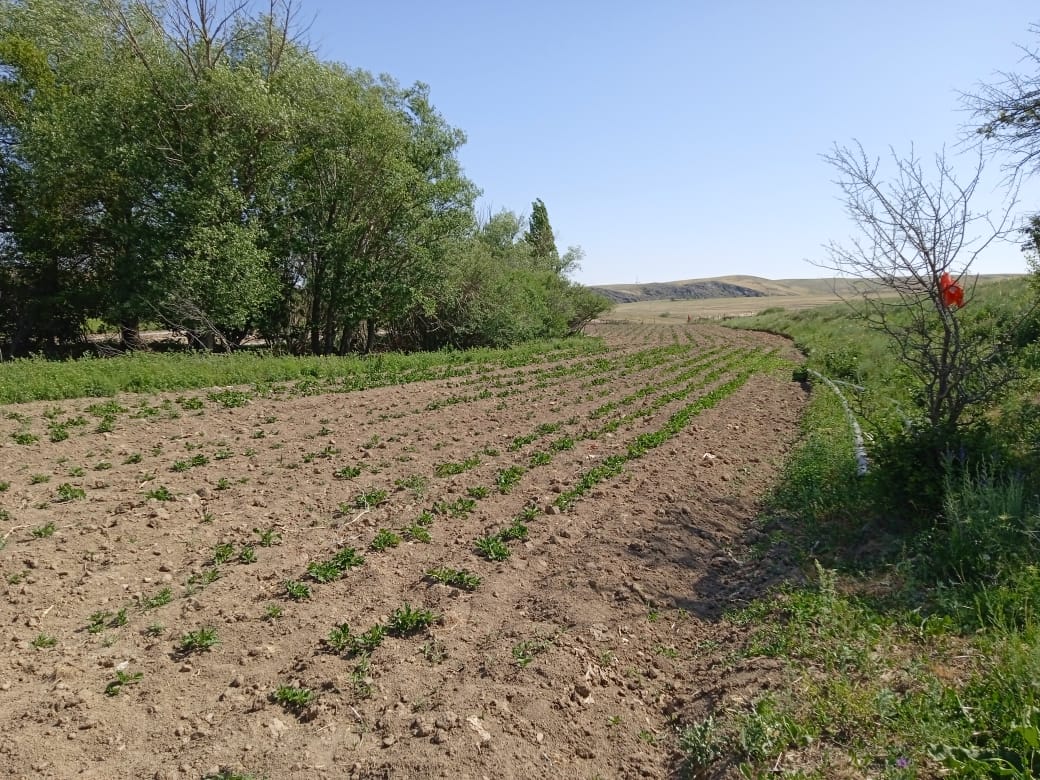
<point>39,479</point>
<point>406,621</point>
<point>247,555</point>
<point>190,404</point>
<point>135,457</point>
<point>67,492</point>
<point>347,472</point>
<point>540,459</point>
<point>425,518</point>
<point>369,498</point>
<point>492,548</point>
<point>24,437</point>
<point>102,466</point>
<point>416,483</point>
<point>524,652</point>
<point>370,640</point>
<point>230,398</point>
<point>360,680</point>
<point>529,513</point>
<point>384,539</point>
<point>340,639</point>
<point>517,531</point>
<point>77,471</point>
<point>206,577</point>
<point>297,591</point>
<point>478,492</point>
<point>417,533</point>
<point>458,578</point>
<point>198,641</point>
<point>4,486</point>
<point>155,630</point>
<point>434,652</point>
<point>449,468</point>
<point>160,599</point>
<point>97,621</point>
<point>507,479</point>
<point>45,530</point>
<point>122,680</point>
<point>160,493</point>
<point>461,507</point>
<point>268,537</point>
<point>272,612</point>
<point>326,571</point>
<point>223,553</point>
<point>292,698</point>
<point>43,641</point>
<point>223,484</point>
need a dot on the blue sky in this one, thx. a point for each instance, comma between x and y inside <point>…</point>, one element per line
<point>675,140</point>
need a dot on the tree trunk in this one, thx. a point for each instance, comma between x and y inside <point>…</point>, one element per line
<point>130,334</point>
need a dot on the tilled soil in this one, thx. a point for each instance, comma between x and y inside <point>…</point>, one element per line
<point>575,657</point>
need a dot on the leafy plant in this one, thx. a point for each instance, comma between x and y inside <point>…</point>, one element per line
<point>272,612</point>
<point>67,492</point>
<point>200,640</point>
<point>292,698</point>
<point>160,599</point>
<point>160,493</point>
<point>347,472</point>
<point>459,578</point>
<point>45,530</point>
<point>268,537</point>
<point>406,621</point>
<point>247,555</point>
<point>450,468</point>
<point>508,478</point>
<point>384,539</point>
<point>123,679</point>
<point>417,533</point>
<point>43,641</point>
<point>24,437</point>
<point>524,652</point>
<point>492,548</point>
<point>369,498</point>
<point>540,458</point>
<point>223,553</point>
<point>298,591</point>
<point>478,492</point>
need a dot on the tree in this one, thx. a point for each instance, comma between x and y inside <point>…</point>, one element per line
<point>1009,114</point>
<point>540,236</point>
<point>913,231</point>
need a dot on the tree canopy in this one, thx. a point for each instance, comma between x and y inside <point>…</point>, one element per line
<point>190,163</point>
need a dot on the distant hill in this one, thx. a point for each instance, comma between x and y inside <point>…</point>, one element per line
<point>737,286</point>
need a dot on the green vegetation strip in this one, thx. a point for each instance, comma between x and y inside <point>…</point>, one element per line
<point>37,379</point>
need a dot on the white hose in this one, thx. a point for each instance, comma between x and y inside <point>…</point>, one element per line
<point>862,462</point>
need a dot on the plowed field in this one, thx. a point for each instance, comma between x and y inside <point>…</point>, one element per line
<point>181,599</point>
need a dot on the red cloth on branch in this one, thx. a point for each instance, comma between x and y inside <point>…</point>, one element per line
<point>952,293</point>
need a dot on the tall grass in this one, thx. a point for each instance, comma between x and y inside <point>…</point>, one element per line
<point>920,663</point>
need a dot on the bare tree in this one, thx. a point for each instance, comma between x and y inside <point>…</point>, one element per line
<point>913,230</point>
<point>1008,112</point>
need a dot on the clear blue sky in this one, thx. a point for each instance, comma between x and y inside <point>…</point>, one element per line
<point>675,140</point>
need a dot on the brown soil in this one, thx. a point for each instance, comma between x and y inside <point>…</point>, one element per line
<point>576,657</point>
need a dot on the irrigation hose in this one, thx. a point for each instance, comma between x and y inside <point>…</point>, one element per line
<point>862,462</point>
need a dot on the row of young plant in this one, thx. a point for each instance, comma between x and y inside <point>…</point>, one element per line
<point>493,546</point>
<point>647,360</point>
<point>107,413</point>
